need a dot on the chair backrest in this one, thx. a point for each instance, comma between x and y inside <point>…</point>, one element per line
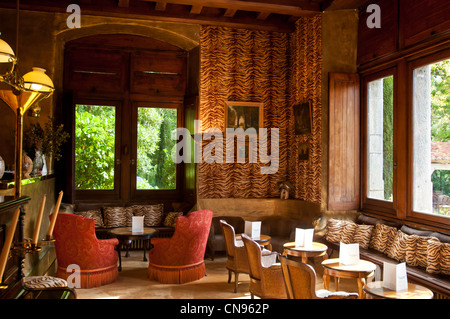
<point>72,231</point>
<point>300,279</point>
<point>191,233</point>
<point>254,257</point>
<point>229,235</point>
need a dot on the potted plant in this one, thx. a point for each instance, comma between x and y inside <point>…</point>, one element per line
<point>46,141</point>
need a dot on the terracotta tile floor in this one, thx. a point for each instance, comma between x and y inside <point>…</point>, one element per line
<point>134,284</point>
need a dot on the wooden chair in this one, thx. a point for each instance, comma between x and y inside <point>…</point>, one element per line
<point>266,277</point>
<point>300,281</point>
<point>237,261</point>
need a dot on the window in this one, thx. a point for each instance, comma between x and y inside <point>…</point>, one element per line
<point>406,140</point>
<point>155,167</point>
<point>379,154</point>
<point>431,138</point>
<point>95,144</point>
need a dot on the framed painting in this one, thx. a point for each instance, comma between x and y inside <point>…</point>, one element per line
<point>302,115</point>
<point>303,151</point>
<point>243,115</point>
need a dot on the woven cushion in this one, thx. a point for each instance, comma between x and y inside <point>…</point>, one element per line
<point>117,216</point>
<point>96,214</point>
<point>348,231</point>
<point>417,255</point>
<point>400,244</point>
<point>42,282</point>
<point>153,214</point>
<point>362,235</point>
<point>171,219</point>
<point>382,237</point>
<point>438,257</point>
<point>334,230</point>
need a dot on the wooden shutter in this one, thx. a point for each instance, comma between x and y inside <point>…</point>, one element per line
<point>344,142</point>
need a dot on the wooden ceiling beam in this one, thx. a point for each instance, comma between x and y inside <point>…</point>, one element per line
<point>160,6</point>
<point>229,13</point>
<point>255,6</point>
<point>196,9</point>
<point>123,3</point>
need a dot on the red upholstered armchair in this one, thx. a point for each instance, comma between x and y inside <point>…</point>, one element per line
<point>76,243</point>
<point>180,259</point>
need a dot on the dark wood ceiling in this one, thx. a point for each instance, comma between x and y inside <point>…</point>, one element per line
<point>271,15</point>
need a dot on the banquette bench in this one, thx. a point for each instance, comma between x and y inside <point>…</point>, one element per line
<point>426,252</point>
<point>107,218</point>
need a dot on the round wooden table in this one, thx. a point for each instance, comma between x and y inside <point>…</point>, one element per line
<point>125,235</point>
<point>315,250</point>
<point>361,272</point>
<point>375,289</point>
<point>263,240</point>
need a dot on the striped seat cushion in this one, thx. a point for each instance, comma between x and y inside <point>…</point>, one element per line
<point>438,257</point>
<point>382,237</point>
<point>43,282</point>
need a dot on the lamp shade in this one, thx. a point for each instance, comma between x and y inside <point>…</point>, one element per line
<point>38,81</point>
<point>6,53</point>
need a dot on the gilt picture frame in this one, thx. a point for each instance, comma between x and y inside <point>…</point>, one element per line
<point>244,115</point>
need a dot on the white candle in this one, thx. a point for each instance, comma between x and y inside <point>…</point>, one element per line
<point>55,214</point>
<point>37,227</point>
<point>8,241</point>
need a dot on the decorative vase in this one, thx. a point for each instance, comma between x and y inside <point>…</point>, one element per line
<point>49,162</point>
<point>27,166</point>
<point>2,167</point>
<point>37,163</point>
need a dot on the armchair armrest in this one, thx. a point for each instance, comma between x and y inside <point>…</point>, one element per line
<point>109,241</point>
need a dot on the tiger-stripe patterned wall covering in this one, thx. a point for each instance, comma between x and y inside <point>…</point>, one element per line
<point>279,70</point>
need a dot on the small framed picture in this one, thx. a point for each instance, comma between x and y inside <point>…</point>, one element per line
<point>302,115</point>
<point>243,115</point>
<point>303,151</point>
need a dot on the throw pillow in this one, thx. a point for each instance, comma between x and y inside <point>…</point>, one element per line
<point>438,257</point>
<point>117,216</point>
<point>399,246</point>
<point>362,235</point>
<point>153,214</point>
<point>348,231</point>
<point>333,230</point>
<point>96,214</point>
<point>382,237</point>
<point>171,219</point>
<point>421,252</point>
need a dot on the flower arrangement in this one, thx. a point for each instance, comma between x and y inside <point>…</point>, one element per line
<point>48,140</point>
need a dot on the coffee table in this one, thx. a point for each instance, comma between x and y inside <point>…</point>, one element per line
<point>360,271</point>
<point>375,289</point>
<point>263,240</point>
<point>315,250</point>
<point>125,235</point>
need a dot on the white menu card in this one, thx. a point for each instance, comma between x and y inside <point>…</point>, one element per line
<point>137,224</point>
<point>304,237</point>
<point>253,229</point>
<point>394,276</point>
<point>349,254</point>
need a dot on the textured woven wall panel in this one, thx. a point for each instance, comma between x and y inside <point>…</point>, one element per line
<point>258,66</point>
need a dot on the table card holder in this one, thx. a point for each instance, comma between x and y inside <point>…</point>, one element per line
<point>394,276</point>
<point>304,237</point>
<point>137,224</point>
<point>349,254</point>
<point>253,229</point>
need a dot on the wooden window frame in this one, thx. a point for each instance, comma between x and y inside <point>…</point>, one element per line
<point>370,204</point>
<point>432,219</point>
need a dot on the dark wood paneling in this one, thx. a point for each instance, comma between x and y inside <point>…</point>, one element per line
<point>344,142</point>
<point>420,20</point>
<point>376,42</point>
